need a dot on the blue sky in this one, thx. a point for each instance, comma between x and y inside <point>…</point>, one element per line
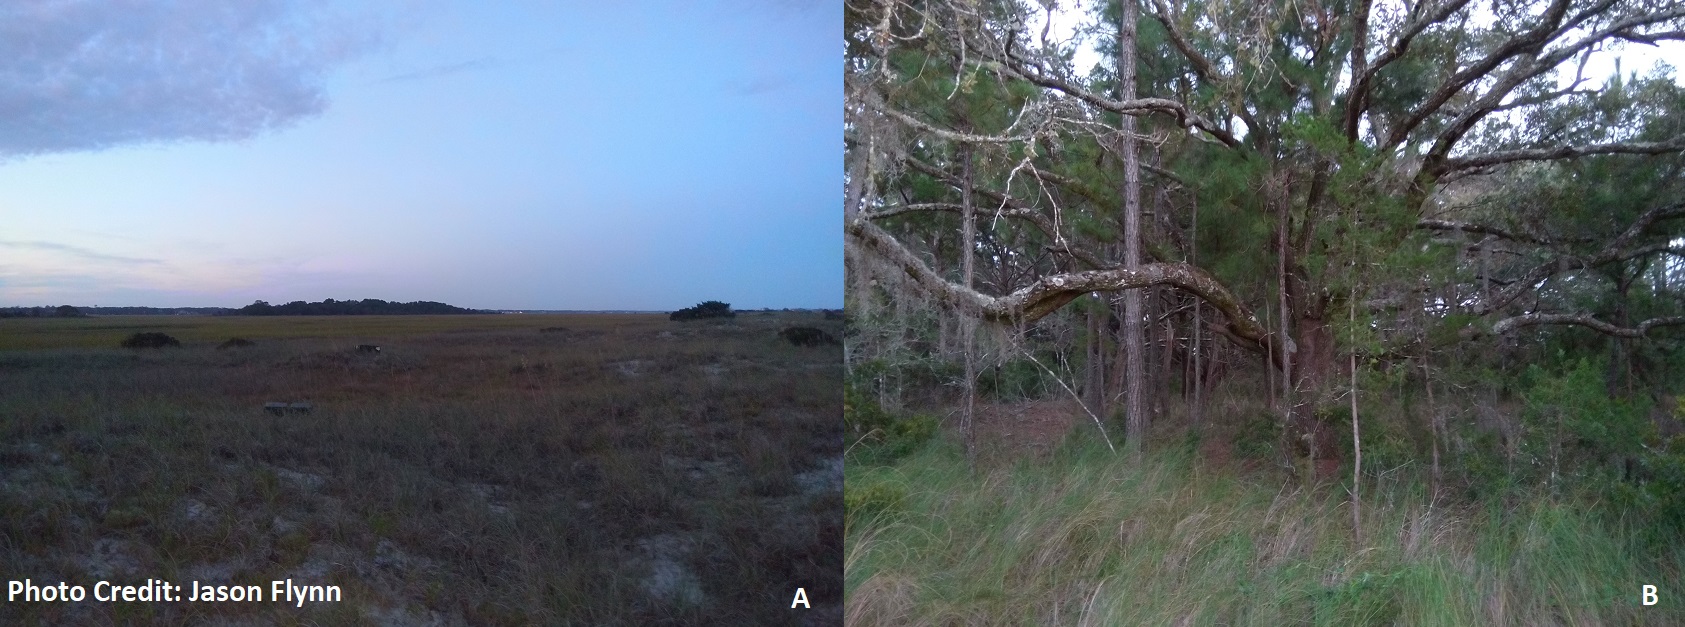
<point>529,155</point>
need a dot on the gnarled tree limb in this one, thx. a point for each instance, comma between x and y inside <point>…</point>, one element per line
<point>1585,320</point>
<point>1048,294</point>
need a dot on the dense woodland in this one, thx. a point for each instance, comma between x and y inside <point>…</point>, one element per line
<point>1418,235</point>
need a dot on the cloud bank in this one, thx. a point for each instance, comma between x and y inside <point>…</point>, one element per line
<point>91,74</point>
<point>75,251</point>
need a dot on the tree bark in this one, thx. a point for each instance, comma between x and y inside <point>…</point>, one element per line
<point>1357,443</point>
<point>1198,408</point>
<point>1133,336</point>
<point>1433,417</point>
<point>1315,372</point>
<point>968,326</point>
<point>1096,387</point>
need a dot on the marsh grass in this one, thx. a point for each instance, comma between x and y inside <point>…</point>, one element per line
<point>475,471</point>
<point>1084,538</point>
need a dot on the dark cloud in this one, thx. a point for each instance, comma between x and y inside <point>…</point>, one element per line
<point>442,70</point>
<point>85,253</point>
<point>90,74</point>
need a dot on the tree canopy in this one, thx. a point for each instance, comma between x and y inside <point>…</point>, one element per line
<point>1383,179</point>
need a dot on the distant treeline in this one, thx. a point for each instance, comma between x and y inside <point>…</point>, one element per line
<point>155,311</point>
<point>61,311</point>
<point>365,307</point>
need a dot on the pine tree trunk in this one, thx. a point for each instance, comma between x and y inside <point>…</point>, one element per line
<point>1133,334</point>
<point>1166,354</point>
<point>1198,408</point>
<point>1096,390</point>
<point>1433,418</point>
<point>968,325</point>
<point>1357,440</point>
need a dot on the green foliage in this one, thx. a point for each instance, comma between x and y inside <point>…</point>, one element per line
<point>911,432</point>
<point>1258,436</point>
<point>861,415</point>
<point>1654,497</point>
<point>1367,599</point>
<point>1574,429</point>
<point>874,499</point>
<point>882,435</point>
<point>1015,380</point>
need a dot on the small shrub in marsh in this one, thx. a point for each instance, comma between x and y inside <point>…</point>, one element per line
<point>808,336</point>
<point>150,340</point>
<point>553,330</point>
<point>235,342</point>
<point>707,309</point>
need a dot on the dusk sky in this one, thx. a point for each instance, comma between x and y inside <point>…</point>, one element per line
<point>508,155</point>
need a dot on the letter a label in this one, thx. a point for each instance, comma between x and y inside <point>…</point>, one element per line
<point>801,598</point>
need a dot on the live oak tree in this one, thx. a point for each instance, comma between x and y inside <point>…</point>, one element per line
<point>1383,178</point>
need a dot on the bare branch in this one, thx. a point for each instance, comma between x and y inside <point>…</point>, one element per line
<point>1357,98</point>
<point>1618,249</point>
<point>1530,66</point>
<point>1202,66</point>
<point>1009,207</point>
<point>945,133</point>
<point>1585,320</point>
<point>1676,144</point>
<point>1137,106</point>
<point>1448,225</point>
<point>1527,42</point>
<point>1408,35</point>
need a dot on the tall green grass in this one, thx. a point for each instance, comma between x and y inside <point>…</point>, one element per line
<point>1085,538</point>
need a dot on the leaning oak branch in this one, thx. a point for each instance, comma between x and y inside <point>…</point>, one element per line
<point>1049,293</point>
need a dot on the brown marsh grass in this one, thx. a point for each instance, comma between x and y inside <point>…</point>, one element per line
<point>627,470</point>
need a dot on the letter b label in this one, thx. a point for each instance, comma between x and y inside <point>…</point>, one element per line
<point>1649,595</point>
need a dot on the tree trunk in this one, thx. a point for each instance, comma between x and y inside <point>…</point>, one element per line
<point>1357,440</point>
<point>1096,388</point>
<point>1315,374</point>
<point>1619,378</point>
<point>1167,352</point>
<point>1133,336</point>
<point>1433,418</point>
<point>1197,410</point>
<point>968,325</point>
